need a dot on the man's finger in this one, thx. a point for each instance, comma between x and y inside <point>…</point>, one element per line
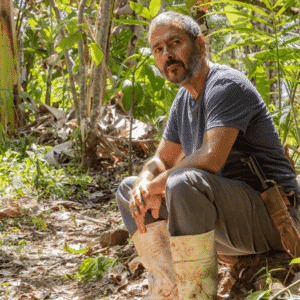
<point>155,212</point>
<point>140,200</point>
<point>140,222</point>
<point>134,209</point>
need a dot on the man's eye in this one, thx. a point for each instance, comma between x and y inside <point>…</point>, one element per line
<point>176,42</point>
<point>157,50</point>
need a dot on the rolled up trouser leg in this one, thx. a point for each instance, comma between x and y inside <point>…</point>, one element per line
<point>123,197</point>
<point>198,202</point>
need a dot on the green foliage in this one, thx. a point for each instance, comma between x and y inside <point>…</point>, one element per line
<point>295,261</point>
<point>39,222</point>
<point>277,46</point>
<point>265,294</point>
<point>131,22</point>
<point>274,49</point>
<point>24,171</point>
<point>146,13</point>
<point>93,268</point>
<point>96,53</point>
<point>153,94</point>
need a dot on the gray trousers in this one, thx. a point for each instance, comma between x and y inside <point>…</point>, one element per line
<point>198,201</point>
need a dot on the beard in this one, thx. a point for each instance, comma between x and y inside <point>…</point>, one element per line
<point>193,68</point>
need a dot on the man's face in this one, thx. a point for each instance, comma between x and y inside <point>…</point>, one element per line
<point>177,56</point>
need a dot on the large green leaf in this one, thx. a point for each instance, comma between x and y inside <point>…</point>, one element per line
<point>96,53</point>
<point>156,81</point>
<point>131,22</point>
<point>262,84</point>
<point>127,93</point>
<point>250,31</point>
<point>68,41</point>
<point>246,5</point>
<point>243,44</point>
<point>141,10</point>
<point>235,19</point>
<point>154,7</point>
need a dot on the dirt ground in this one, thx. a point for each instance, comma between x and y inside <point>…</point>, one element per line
<point>34,264</point>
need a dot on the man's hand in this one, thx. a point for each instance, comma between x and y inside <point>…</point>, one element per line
<point>140,201</point>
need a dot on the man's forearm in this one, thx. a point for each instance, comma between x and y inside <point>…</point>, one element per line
<point>201,159</point>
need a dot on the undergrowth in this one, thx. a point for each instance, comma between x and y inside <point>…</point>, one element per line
<point>23,171</point>
<point>93,268</point>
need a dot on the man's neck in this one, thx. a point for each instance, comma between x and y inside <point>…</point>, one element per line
<point>197,83</point>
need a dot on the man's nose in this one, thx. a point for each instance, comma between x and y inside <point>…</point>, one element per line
<point>167,52</point>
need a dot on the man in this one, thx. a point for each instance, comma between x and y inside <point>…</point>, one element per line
<point>209,202</point>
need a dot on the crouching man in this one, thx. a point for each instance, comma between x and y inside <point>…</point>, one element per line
<point>180,212</point>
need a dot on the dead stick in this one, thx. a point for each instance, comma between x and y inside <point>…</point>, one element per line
<point>91,219</point>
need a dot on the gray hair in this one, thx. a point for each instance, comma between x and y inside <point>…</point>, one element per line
<point>188,24</point>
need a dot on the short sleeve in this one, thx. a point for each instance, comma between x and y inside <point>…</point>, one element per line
<point>171,131</point>
<point>228,105</point>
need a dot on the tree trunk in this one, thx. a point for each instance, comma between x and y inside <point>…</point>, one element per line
<point>10,116</point>
<point>82,77</point>
<point>199,16</point>
<point>90,156</point>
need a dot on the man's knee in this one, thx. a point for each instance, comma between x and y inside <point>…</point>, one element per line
<point>178,180</point>
<point>125,188</point>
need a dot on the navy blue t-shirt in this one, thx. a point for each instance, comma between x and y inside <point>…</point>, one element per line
<point>229,99</point>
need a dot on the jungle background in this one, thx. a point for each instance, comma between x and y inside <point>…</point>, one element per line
<point>83,105</point>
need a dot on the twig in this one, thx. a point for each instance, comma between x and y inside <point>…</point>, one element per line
<point>284,290</point>
<point>91,219</point>
<point>287,275</point>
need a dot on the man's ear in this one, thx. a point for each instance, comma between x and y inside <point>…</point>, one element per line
<point>201,43</point>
